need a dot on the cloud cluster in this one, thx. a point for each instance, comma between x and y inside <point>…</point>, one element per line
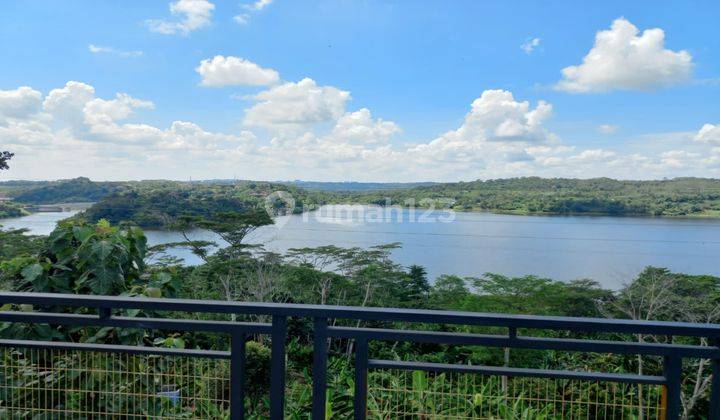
<point>296,105</point>
<point>310,133</point>
<point>190,15</point>
<point>19,103</point>
<point>622,59</point>
<point>359,126</point>
<point>709,133</point>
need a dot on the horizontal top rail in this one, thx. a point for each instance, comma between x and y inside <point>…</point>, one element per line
<point>367,313</point>
<point>537,343</point>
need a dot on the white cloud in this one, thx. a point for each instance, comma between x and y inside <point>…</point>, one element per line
<point>678,158</point>
<point>242,18</point>
<point>530,45</point>
<point>252,8</point>
<point>258,5</point>
<point>359,126</point>
<point>102,112</point>
<point>496,135</point>
<point>496,116</point>
<point>66,104</point>
<point>608,128</point>
<point>593,155</point>
<point>709,133</point>
<point>296,105</point>
<point>191,14</point>
<point>235,71</point>
<point>19,103</point>
<point>96,49</point>
<point>621,59</point>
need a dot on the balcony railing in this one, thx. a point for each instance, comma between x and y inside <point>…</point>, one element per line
<point>214,380</point>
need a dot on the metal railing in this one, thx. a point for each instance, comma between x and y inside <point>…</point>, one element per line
<point>107,306</point>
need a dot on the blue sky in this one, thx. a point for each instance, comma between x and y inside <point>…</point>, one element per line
<point>388,91</point>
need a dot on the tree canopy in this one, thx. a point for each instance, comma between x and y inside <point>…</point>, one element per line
<point>4,158</point>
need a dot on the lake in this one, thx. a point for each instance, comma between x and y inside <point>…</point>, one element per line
<point>610,250</point>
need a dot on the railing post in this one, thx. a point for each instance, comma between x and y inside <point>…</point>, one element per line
<point>320,356</point>
<point>237,376</point>
<point>361,372</point>
<point>277,368</point>
<point>105,313</point>
<point>672,370</point>
<point>715,385</point>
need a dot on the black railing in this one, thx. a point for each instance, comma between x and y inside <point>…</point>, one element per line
<point>107,306</point>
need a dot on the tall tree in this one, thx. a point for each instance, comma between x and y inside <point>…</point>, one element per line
<point>418,287</point>
<point>4,158</point>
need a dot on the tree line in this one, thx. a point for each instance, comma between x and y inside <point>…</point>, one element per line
<point>158,204</point>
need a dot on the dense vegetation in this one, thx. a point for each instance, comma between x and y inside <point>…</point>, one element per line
<point>164,206</point>
<point>157,207</point>
<point>7,209</point>
<point>160,203</point>
<point>358,186</point>
<point>5,157</point>
<point>73,190</point>
<point>10,209</point>
<point>99,258</point>
<point>602,196</point>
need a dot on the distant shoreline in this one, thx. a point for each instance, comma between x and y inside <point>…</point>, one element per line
<point>714,215</point>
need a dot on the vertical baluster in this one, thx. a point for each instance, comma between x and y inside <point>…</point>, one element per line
<point>277,369</point>
<point>237,376</point>
<point>361,371</point>
<point>715,390</point>
<point>320,355</point>
<point>672,370</point>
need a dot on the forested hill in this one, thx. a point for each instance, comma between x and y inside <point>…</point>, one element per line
<point>162,206</point>
<point>65,191</point>
<point>676,197</point>
<point>358,186</point>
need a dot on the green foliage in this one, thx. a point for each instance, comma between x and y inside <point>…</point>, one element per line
<point>10,209</point>
<point>82,258</point>
<point>16,242</point>
<point>233,227</point>
<point>533,295</point>
<point>676,197</point>
<point>257,372</point>
<point>417,287</point>
<point>5,156</point>
<point>170,205</point>
<point>449,291</point>
<point>66,191</point>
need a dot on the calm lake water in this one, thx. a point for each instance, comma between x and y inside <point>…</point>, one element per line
<point>610,250</point>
